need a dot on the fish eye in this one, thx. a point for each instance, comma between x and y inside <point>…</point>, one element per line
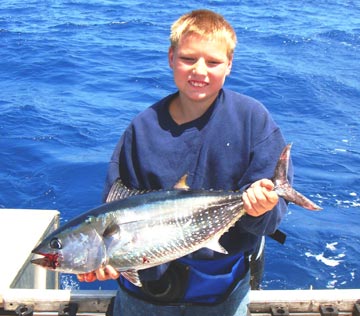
<point>55,243</point>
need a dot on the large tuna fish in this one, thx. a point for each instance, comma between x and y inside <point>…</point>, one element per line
<point>138,230</point>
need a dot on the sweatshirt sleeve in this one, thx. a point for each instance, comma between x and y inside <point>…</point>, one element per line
<point>263,162</point>
<point>113,169</point>
<point>122,163</point>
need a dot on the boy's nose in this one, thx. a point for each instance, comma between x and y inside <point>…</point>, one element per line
<point>200,67</point>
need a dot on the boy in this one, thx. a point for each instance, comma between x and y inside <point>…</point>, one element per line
<point>222,140</point>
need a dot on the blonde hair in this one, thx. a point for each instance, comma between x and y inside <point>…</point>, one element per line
<point>207,24</point>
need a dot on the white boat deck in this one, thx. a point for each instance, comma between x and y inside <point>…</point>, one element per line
<point>20,231</point>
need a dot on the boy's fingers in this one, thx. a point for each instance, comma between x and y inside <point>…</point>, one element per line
<point>101,274</point>
<point>80,277</point>
<point>112,272</point>
<point>87,277</point>
<point>106,273</point>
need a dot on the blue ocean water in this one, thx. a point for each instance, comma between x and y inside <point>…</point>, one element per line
<point>73,73</point>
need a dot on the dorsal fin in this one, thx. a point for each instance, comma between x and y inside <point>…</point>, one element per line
<point>119,191</point>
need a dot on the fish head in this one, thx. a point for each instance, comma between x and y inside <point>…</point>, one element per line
<point>72,249</point>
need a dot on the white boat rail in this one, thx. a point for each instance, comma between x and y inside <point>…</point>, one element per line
<point>264,302</point>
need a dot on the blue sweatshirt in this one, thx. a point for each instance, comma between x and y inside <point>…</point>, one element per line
<point>232,145</point>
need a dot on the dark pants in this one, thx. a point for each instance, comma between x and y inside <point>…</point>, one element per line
<point>235,305</point>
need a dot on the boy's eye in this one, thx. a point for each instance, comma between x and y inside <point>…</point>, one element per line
<point>188,59</point>
<point>213,62</point>
<point>193,60</point>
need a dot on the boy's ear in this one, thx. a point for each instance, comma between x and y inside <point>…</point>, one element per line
<point>171,57</point>
<point>229,66</point>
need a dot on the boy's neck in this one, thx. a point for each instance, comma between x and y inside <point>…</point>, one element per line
<point>183,110</point>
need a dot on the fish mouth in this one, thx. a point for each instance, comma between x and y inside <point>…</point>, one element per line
<point>49,261</point>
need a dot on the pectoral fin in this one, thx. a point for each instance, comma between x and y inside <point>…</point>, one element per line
<point>111,230</point>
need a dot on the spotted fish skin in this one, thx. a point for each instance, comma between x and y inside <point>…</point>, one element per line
<point>137,230</point>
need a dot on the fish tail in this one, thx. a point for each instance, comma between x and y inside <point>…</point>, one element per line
<point>283,187</point>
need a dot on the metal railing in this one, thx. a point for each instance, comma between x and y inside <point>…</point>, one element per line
<point>25,302</point>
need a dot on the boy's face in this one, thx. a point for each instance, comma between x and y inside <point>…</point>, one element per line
<point>200,67</point>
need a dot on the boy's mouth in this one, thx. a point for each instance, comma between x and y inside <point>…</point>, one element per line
<point>198,84</point>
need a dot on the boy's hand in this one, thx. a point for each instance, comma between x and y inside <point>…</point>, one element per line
<point>102,274</point>
<point>260,198</point>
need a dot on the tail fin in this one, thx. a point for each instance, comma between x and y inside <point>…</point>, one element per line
<point>283,187</point>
